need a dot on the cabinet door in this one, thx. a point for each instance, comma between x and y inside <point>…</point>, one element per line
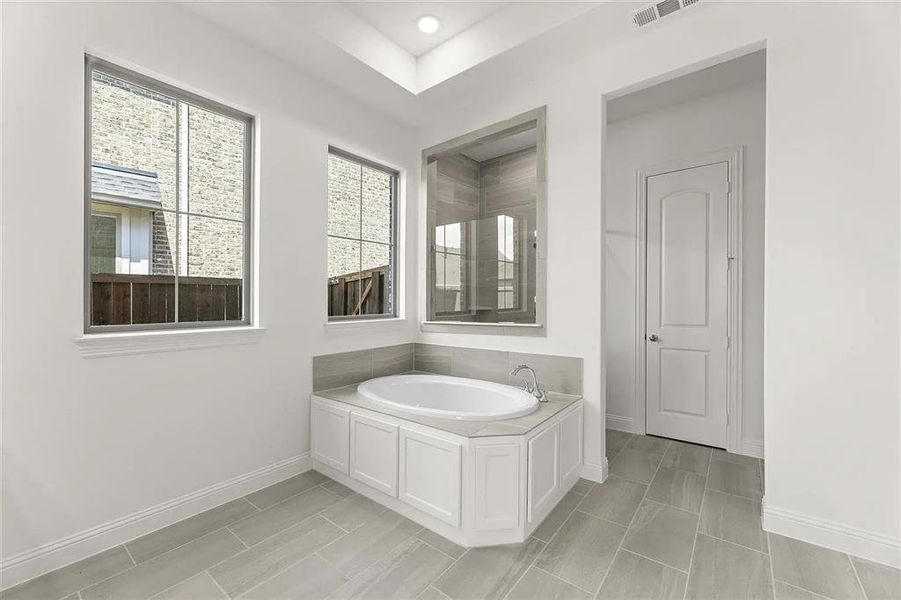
<point>430,475</point>
<point>571,447</point>
<point>544,472</point>
<point>373,453</point>
<point>496,487</point>
<point>329,430</point>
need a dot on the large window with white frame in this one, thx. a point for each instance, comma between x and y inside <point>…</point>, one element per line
<point>168,197</point>
<point>362,238</point>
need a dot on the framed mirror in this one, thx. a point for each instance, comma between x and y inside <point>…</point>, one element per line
<point>486,198</point>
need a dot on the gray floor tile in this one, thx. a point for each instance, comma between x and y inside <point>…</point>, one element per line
<point>432,593</point>
<point>649,444</point>
<point>784,591</point>
<point>268,522</point>
<point>199,587</point>
<point>443,544</point>
<point>281,491</point>
<point>312,578</point>
<point>682,489</point>
<point>541,585</point>
<point>583,486</point>
<point>352,511</point>
<point>663,533</point>
<point>337,488</point>
<point>737,459</point>
<point>72,578</point>
<point>153,544</point>
<point>880,582</point>
<point>734,519</point>
<point>166,570</point>
<point>369,542</point>
<point>405,572</point>
<point>488,572</point>
<point>616,500</point>
<point>554,520</point>
<point>615,442</point>
<point>582,550</point>
<point>724,570</point>
<point>687,457</point>
<point>735,478</point>
<point>257,564</point>
<point>813,568</point>
<point>634,577</point>
<point>635,465</point>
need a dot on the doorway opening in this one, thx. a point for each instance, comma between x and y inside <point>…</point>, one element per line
<point>683,257</point>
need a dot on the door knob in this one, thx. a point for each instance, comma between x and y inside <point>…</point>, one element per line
<point>653,337</point>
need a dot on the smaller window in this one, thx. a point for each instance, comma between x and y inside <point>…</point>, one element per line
<point>362,238</point>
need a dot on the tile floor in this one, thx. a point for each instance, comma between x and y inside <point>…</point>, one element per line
<point>673,520</point>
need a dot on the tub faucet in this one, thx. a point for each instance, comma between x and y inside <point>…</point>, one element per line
<point>531,387</point>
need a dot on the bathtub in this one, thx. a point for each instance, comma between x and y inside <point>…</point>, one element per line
<point>449,397</point>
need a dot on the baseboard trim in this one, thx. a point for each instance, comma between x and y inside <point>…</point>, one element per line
<point>752,448</point>
<point>620,423</point>
<point>595,472</point>
<point>65,551</point>
<point>851,540</point>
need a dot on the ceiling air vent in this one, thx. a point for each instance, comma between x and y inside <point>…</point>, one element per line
<point>658,10</point>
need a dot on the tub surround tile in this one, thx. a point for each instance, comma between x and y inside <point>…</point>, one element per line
<point>166,570</point>
<point>255,565</point>
<point>489,572</point>
<point>880,582</point>
<point>72,578</point>
<point>615,500</point>
<point>582,550</point>
<point>488,365</point>
<point>558,373</point>
<point>813,568</point>
<point>724,570</point>
<point>391,360</point>
<point>663,533</point>
<point>345,368</point>
<point>541,585</point>
<point>734,519</point>
<point>682,489</point>
<point>434,359</point>
<point>634,577</point>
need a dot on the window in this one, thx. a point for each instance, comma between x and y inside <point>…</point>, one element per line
<point>507,264</point>
<point>362,238</point>
<point>167,206</point>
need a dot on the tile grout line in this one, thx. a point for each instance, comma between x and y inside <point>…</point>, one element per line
<point>134,563</point>
<point>432,583</point>
<point>769,547</point>
<point>857,575</point>
<point>216,583</point>
<point>243,543</point>
<point>319,514</point>
<point>694,545</point>
<point>635,514</point>
<point>578,587</point>
<point>663,564</point>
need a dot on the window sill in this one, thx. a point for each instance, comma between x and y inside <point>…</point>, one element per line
<point>527,329</point>
<point>355,325</point>
<point>95,345</point>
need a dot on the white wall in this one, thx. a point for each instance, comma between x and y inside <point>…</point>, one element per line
<point>831,351</point>
<point>87,441</point>
<point>731,118</point>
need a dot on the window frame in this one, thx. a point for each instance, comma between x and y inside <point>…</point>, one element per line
<point>92,64</point>
<point>394,244</point>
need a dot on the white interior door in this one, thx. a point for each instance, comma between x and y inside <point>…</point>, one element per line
<point>687,291</point>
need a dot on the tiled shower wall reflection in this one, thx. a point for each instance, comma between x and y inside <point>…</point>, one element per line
<point>556,373</point>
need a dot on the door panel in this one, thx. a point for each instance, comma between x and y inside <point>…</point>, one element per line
<point>687,279</point>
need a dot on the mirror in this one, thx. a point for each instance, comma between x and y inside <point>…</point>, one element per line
<point>486,205</point>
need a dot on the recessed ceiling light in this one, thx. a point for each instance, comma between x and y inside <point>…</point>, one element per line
<point>428,24</point>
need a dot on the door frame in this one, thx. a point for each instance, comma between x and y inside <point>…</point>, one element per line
<point>734,157</point>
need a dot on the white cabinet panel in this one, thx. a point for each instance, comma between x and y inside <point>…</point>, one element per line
<point>544,472</point>
<point>430,475</point>
<point>329,429</point>
<point>570,448</point>
<point>496,487</point>
<point>373,453</point>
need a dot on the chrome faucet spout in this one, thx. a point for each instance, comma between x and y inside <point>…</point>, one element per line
<point>531,386</point>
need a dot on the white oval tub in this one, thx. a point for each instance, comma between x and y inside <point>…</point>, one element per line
<point>449,397</point>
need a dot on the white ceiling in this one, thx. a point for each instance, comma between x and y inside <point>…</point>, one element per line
<point>397,20</point>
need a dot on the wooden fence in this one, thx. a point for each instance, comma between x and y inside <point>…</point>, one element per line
<point>364,293</point>
<point>129,299</point>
